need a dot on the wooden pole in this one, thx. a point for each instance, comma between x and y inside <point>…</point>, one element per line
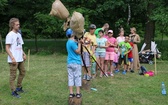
<point>155,64</point>
<point>28,59</point>
<point>1,43</point>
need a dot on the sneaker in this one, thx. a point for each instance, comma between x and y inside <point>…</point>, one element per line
<point>84,76</point>
<point>111,74</point>
<point>15,94</point>
<point>117,71</point>
<point>79,95</point>
<point>88,78</point>
<point>71,95</point>
<point>106,75</point>
<point>19,89</point>
<point>124,72</point>
<point>132,71</point>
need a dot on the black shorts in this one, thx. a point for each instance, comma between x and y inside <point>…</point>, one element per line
<point>124,58</point>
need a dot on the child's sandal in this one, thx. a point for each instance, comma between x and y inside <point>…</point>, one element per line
<point>71,95</point>
<point>79,95</point>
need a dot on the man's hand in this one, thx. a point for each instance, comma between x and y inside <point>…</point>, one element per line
<point>13,61</point>
<point>24,57</point>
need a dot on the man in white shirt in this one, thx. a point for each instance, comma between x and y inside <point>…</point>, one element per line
<point>16,56</point>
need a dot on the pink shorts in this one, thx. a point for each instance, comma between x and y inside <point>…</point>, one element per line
<point>110,56</point>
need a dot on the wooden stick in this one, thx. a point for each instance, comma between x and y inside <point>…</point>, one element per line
<point>155,64</point>
<point>28,60</point>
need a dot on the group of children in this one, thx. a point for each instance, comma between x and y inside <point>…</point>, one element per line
<point>100,52</point>
<point>112,52</point>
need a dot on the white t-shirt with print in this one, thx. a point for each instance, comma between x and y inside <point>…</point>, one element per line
<point>15,40</point>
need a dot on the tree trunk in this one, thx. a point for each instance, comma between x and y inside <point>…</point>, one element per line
<point>150,27</point>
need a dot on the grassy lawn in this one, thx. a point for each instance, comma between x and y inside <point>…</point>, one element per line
<point>46,84</point>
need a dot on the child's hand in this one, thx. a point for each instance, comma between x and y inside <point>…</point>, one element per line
<point>125,54</point>
<point>81,41</point>
<point>111,45</point>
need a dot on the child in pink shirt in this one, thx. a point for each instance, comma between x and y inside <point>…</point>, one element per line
<point>109,58</point>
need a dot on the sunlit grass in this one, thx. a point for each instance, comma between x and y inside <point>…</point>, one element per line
<point>46,84</point>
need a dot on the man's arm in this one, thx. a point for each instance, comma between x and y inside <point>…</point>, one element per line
<point>24,55</point>
<point>7,47</point>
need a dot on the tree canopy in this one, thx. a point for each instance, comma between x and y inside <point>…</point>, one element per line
<point>150,17</point>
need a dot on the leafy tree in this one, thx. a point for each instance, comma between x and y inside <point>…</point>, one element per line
<point>148,16</point>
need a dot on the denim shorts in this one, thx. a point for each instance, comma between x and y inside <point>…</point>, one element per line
<point>100,54</point>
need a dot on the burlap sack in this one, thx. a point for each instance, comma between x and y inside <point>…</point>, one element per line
<point>59,10</point>
<point>77,24</point>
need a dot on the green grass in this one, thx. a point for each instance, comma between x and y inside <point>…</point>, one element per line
<point>46,84</point>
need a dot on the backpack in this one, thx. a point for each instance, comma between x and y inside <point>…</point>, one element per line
<point>142,70</point>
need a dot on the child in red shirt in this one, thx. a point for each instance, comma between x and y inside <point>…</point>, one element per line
<point>130,59</point>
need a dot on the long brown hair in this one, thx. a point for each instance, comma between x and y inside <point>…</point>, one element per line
<point>12,23</point>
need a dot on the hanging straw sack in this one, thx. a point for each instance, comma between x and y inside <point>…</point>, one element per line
<point>77,24</point>
<point>59,10</point>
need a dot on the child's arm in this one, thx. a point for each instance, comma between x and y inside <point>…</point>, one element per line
<point>93,49</point>
<point>106,45</point>
<point>113,45</point>
<point>78,50</point>
<point>127,52</point>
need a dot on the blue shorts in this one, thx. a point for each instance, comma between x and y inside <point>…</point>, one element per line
<point>130,59</point>
<point>100,54</point>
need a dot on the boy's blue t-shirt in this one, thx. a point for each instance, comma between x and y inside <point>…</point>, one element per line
<point>73,57</point>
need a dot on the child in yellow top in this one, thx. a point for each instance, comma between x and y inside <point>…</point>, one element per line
<point>90,44</point>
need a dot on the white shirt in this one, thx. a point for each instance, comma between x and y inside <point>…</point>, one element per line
<point>120,39</point>
<point>15,40</point>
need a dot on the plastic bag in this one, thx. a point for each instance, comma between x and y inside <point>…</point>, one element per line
<point>59,10</point>
<point>77,24</point>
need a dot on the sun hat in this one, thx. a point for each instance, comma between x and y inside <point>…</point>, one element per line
<point>110,31</point>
